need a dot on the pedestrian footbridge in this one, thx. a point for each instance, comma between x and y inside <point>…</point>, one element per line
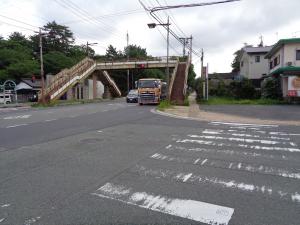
<point>88,67</point>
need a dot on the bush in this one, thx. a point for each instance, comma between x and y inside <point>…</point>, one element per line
<point>271,88</point>
<point>243,90</point>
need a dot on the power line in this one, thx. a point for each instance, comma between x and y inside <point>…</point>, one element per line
<point>122,13</point>
<point>18,21</point>
<point>87,15</point>
<point>82,16</point>
<point>190,5</point>
<point>164,37</point>
<point>16,26</point>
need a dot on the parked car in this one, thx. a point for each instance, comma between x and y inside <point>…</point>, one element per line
<point>132,96</point>
<point>5,99</point>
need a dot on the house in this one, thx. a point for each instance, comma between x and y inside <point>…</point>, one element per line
<point>284,63</point>
<point>253,64</point>
<point>28,89</point>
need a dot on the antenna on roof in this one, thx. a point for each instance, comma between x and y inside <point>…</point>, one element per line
<point>261,44</point>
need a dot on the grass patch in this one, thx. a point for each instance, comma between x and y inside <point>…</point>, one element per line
<point>232,101</point>
<point>163,105</point>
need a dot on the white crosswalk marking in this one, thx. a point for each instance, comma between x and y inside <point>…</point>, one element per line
<point>194,210</point>
<point>236,159</point>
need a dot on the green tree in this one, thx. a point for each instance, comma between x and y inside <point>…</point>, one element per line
<point>134,51</point>
<point>112,53</point>
<point>54,62</point>
<point>191,77</point>
<point>236,62</point>
<point>270,88</point>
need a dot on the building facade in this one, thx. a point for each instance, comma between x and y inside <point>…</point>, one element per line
<point>284,63</point>
<point>253,64</point>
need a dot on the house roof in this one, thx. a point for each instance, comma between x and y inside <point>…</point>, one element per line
<point>36,84</point>
<point>255,50</point>
<point>279,44</point>
<point>221,75</point>
<point>288,70</point>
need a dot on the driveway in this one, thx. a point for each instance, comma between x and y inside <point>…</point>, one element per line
<point>263,112</point>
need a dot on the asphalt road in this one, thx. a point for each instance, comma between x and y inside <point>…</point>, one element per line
<point>118,163</point>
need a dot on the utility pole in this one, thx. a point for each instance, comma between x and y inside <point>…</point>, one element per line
<point>168,69</point>
<point>202,73</point>
<point>127,38</point>
<point>184,41</point>
<point>42,65</point>
<point>167,25</point>
<point>191,47</point>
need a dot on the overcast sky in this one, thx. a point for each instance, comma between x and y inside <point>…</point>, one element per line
<point>219,29</point>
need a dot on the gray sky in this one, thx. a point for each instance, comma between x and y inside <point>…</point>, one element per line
<point>220,29</point>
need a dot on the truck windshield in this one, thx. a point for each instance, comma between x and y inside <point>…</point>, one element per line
<point>148,84</point>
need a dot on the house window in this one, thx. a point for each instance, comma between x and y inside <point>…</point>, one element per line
<point>297,54</point>
<point>271,65</point>
<point>275,61</point>
<point>242,63</point>
<point>257,58</point>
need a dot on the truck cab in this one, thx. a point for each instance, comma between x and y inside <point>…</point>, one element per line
<point>149,91</point>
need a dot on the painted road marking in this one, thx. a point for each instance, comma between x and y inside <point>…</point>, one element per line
<point>230,165</point>
<point>2,219</point>
<point>241,134</point>
<point>256,147</point>
<point>190,209</point>
<point>17,117</point>
<point>50,120</point>
<point>159,173</point>
<point>5,205</point>
<point>17,125</point>
<point>247,140</point>
<point>244,124</point>
<point>231,152</point>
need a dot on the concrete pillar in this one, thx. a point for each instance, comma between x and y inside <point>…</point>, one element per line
<point>95,79</point>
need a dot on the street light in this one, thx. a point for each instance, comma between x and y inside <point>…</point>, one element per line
<point>167,25</point>
<point>87,47</point>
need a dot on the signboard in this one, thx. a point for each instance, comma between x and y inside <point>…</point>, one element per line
<point>294,86</point>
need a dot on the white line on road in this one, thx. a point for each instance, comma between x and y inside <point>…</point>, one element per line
<point>190,209</point>
<point>248,140</point>
<point>2,219</point>
<point>5,205</point>
<point>17,125</point>
<point>50,120</point>
<point>159,173</point>
<point>17,117</point>
<point>283,172</point>
<point>244,124</point>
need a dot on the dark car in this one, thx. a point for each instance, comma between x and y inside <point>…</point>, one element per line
<point>132,96</point>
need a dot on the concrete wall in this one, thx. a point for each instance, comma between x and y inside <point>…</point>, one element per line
<point>100,89</point>
<point>257,69</point>
<point>284,86</point>
<point>245,68</point>
<point>287,54</point>
<point>290,53</point>
<point>252,69</point>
